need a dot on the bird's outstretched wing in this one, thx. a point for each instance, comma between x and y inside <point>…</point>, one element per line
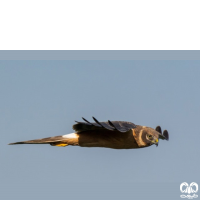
<point>120,126</point>
<point>164,135</point>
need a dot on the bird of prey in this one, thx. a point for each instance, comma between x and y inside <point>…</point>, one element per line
<point>111,134</point>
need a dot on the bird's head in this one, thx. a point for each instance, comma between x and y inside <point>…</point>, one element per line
<point>150,136</point>
<point>146,136</point>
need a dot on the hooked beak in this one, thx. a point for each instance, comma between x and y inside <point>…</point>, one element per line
<point>155,142</point>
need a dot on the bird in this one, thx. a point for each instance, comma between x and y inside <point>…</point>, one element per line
<point>110,134</point>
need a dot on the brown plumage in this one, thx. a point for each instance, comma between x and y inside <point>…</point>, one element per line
<point>111,134</point>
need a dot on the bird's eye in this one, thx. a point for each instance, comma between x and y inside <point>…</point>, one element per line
<point>150,136</point>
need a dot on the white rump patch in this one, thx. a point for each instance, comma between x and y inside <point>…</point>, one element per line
<point>71,136</point>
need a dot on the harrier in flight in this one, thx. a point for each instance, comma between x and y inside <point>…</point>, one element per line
<point>111,134</point>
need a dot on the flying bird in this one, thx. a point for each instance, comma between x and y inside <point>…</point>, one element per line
<point>111,134</point>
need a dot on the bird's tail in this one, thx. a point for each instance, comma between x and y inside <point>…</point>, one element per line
<point>54,141</point>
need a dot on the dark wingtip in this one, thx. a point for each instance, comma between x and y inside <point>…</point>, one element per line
<point>158,129</point>
<point>94,118</point>
<point>97,121</point>
<point>112,124</point>
<point>166,134</point>
<point>85,120</point>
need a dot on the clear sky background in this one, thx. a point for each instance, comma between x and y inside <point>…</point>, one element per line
<point>43,98</point>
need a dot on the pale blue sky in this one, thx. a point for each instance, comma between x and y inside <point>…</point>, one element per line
<point>43,98</point>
